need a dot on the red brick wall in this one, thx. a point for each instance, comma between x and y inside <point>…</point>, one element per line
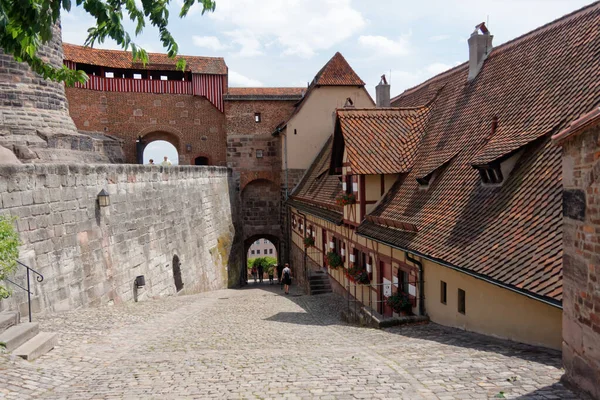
<point>240,116</point>
<point>581,265</point>
<point>179,119</point>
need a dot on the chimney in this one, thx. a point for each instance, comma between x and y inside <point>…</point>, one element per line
<point>480,46</point>
<point>382,93</point>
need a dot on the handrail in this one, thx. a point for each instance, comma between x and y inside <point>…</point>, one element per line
<point>39,277</point>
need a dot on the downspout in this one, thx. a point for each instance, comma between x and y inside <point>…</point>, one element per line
<point>304,237</point>
<point>421,283</point>
<point>285,165</point>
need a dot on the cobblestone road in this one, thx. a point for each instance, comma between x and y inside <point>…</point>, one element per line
<point>255,343</point>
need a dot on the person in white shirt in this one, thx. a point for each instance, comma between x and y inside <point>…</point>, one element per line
<point>287,278</point>
<point>166,162</point>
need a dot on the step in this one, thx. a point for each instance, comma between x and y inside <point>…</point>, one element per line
<point>15,336</point>
<point>322,286</point>
<point>320,291</point>
<point>8,319</point>
<point>39,345</point>
<point>319,279</point>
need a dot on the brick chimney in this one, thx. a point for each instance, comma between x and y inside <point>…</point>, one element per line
<point>382,93</point>
<point>480,46</point>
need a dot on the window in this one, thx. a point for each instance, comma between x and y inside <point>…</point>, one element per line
<point>257,251</point>
<point>265,241</point>
<point>348,184</point>
<point>259,154</point>
<point>461,301</point>
<point>492,175</point>
<point>257,242</point>
<point>403,281</point>
<point>109,74</point>
<point>256,117</point>
<point>137,76</point>
<point>163,78</point>
<point>251,251</point>
<point>443,297</point>
<point>270,251</point>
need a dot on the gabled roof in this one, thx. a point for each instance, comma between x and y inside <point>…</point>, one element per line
<point>317,188</point>
<point>512,234</point>
<point>265,93</point>
<point>380,141</point>
<point>337,72</point>
<point>156,61</point>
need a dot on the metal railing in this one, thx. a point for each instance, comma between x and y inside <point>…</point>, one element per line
<point>370,297</point>
<point>38,277</point>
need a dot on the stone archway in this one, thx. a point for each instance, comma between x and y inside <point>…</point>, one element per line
<point>248,242</point>
<point>167,134</point>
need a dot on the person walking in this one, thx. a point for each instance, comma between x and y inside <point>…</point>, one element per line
<point>287,278</point>
<point>271,271</point>
<point>261,272</point>
<point>254,273</point>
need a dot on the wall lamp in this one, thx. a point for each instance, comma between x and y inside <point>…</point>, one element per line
<point>103,198</point>
<point>140,281</point>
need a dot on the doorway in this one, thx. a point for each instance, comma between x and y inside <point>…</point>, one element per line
<point>177,273</point>
<point>201,161</point>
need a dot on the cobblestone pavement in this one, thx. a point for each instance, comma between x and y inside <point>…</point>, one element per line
<point>255,343</point>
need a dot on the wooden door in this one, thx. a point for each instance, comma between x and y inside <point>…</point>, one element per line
<point>385,288</point>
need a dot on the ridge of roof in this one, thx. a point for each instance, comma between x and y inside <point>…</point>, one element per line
<point>124,59</point>
<point>265,93</point>
<point>502,47</point>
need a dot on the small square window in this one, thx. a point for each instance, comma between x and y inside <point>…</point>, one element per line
<point>443,296</point>
<point>270,251</point>
<point>109,74</point>
<point>258,251</point>
<point>257,117</point>
<point>461,301</point>
<point>259,154</point>
<point>251,251</point>
<point>164,78</point>
<point>137,76</point>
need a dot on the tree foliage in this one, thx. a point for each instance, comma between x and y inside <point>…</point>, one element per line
<point>266,262</point>
<point>25,25</point>
<point>9,252</point>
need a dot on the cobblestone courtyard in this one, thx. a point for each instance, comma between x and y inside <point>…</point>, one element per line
<point>255,343</point>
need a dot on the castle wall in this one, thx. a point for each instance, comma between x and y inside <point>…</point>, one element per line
<point>91,255</point>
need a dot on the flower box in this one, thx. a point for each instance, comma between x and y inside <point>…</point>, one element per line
<point>346,199</point>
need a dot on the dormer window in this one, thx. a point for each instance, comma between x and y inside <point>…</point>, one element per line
<point>491,175</point>
<point>496,173</point>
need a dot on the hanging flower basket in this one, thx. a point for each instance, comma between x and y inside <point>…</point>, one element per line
<point>346,199</point>
<point>358,275</point>
<point>309,241</point>
<point>334,260</point>
<point>400,303</point>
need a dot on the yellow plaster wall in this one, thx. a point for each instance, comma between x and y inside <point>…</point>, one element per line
<point>490,309</point>
<point>315,121</point>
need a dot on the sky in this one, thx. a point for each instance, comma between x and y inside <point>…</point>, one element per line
<point>286,42</point>
<point>158,149</point>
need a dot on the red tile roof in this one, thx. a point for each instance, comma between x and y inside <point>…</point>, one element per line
<point>156,61</point>
<point>511,234</point>
<point>265,93</point>
<point>381,141</point>
<point>337,72</point>
<point>317,187</point>
<point>577,126</point>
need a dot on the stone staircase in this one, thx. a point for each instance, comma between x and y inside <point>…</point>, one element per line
<point>319,283</point>
<point>24,339</point>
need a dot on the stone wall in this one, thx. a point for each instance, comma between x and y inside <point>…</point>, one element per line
<point>581,283</point>
<point>179,119</point>
<point>90,255</point>
<point>260,209</point>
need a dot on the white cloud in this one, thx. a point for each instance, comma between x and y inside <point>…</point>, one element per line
<point>437,68</point>
<point>386,46</point>
<point>299,28</point>
<point>237,79</point>
<point>249,45</point>
<point>439,38</point>
<point>209,42</point>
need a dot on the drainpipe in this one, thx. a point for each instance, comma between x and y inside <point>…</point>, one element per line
<point>304,237</point>
<point>421,283</point>
<point>285,164</point>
